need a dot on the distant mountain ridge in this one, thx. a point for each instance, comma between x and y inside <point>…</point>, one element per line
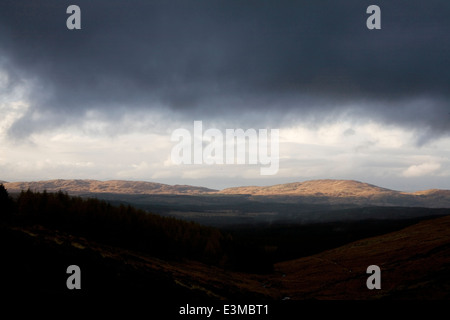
<point>333,192</point>
<point>78,186</point>
<point>326,191</point>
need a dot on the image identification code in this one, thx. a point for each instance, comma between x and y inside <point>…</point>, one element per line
<point>245,309</point>
<point>227,309</point>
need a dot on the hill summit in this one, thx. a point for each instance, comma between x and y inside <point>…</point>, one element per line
<point>326,187</point>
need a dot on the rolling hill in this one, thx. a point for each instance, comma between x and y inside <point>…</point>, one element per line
<point>112,186</point>
<point>319,188</point>
<point>339,192</point>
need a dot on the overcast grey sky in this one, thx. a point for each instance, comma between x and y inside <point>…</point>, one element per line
<point>102,102</point>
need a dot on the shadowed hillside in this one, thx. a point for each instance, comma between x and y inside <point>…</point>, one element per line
<point>123,226</point>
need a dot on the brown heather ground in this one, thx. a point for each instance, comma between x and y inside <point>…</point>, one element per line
<point>414,262</point>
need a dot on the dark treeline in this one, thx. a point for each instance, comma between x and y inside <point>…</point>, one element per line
<point>122,226</point>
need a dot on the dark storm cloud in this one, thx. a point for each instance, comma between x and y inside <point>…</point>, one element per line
<point>274,60</point>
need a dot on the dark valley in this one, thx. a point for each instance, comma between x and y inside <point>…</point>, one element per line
<point>197,244</point>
